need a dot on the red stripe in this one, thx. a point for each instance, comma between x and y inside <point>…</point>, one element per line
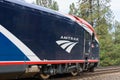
<point>57,62</point>
<point>80,20</point>
<point>42,62</point>
<point>45,62</point>
<point>12,63</point>
<point>93,61</point>
<point>84,22</point>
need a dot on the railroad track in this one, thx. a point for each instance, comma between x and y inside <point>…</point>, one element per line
<point>101,71</point>
<point>85,75</point>
<point>107,70</point>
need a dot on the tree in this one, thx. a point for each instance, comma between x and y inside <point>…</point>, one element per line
<point>48,3</point>
<point>116,32</point>
<point>74,10</point>
<point>116,40</point>
<point>92,10</point>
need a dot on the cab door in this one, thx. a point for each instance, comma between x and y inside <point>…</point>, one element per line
<point>87,45</point>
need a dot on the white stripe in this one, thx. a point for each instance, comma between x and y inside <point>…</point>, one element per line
<point>19,44</point>
<point>66,45</point>
<point>70,47</point>
<point>86,28</point>
<point>61,41</point>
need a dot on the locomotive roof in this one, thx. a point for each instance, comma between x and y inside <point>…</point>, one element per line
<point>80,21</point>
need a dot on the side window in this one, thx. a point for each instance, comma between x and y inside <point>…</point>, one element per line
<point>87,36</point>
<point>93,37</point>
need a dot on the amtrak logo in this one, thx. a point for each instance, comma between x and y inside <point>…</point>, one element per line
<point>66,45</point>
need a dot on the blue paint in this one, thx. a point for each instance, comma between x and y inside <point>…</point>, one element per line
<point>39,29</point>
<point>9,52</point>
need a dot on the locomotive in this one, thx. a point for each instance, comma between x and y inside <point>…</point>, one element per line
<point>37,41</point>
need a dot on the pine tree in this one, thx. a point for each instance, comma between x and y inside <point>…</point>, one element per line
<point>48,3</point>
<point>92,10</point>
<point>73,10</point>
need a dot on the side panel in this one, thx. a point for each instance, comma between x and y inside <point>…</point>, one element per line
<point>40,31</point>
<point>9,52</point>
<point>49,36</point>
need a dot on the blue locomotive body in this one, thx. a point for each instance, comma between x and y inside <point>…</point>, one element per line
<point>34,35</point>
